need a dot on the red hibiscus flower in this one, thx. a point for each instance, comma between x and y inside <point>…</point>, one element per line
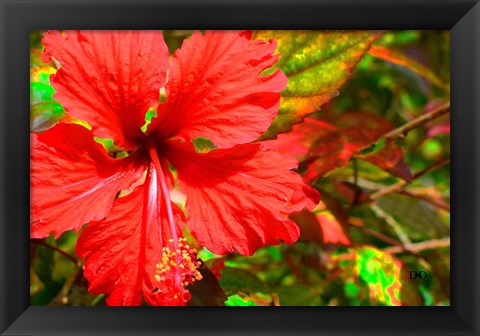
<point>239,195</point>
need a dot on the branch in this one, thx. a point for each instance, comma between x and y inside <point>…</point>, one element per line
<point>436,203</point>
<point>414,249</point>
<point>56,249</point>
<point>402,184</point>
<point>380,236</point>
<point>402,131</point>
<point>417,247</point>
<point>62,297</point>
<point>424,118</point>
<point>357,191</point>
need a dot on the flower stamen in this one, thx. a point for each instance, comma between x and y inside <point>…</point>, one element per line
<point>179,263</point>
<point>185,259</point>
<point>176,270</point>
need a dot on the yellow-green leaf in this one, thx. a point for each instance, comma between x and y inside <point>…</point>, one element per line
<point>317,64</point>
<point>380,277</point>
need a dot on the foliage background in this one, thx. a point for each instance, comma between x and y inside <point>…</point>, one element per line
<point>381,215</point>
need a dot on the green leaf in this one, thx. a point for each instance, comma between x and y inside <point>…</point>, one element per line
<point>317,64</point>
<point>439,284</point>
<point>44,265</point>
<point>203,145</point>
<point>36,48</point>
<point>45,115</point>
<point>373,149</point>
<point>236,300</point>
<point>151,113</point>
<point>45,111</point>
<point>235,280</point>
<point>41,93</point>
<point>298,295</point>
<point>79,296</point>
<point>42,74</point>
<point>46,295</point>
<point>418,219</point>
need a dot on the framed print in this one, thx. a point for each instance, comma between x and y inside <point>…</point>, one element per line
<point>314,161</point>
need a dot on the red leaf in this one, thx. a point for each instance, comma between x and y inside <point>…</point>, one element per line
<point>73,180</point>
<point>332,229</point>
<point>108,78</point>
<point>239,199</point>
<point>321,226</point>
<point>440,125</point>
<point>215,90</point>
<point>329,142</point>
<point>390,159</point>
<point>310,229</point>
<point>215,266</point>
<point>439,129</point>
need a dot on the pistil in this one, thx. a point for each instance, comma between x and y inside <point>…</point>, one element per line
<point>165,192</point>
<point>179,264</point>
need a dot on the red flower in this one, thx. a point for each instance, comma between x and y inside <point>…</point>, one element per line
<point>239,195</point>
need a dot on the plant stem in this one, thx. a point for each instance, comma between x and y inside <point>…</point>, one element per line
<point>62,297</point>
<point>424,118</point>
<point>417,247</point>
<point>357,191</point>
<point>436,203</point>
<point>400,185</point>
<point>56,249</point>
<point>382,237</point>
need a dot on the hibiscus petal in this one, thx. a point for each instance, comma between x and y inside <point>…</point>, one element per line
<point>73,180</point>
<point>122,250</point>
<point>215,89</point>
<point>108,78</point>
<point>239,199</point>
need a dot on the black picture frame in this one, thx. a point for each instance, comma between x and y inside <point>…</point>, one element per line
<point>19,17</point>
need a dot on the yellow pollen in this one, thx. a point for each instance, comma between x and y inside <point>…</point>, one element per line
<point>178,265</point>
